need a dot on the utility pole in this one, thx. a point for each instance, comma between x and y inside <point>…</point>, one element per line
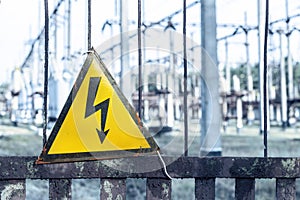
<point>227,68</point>
<point>145,70</point>
<point>55,35</point>
<point>250,112</point>
<point>39,81</point>
<point>124,44</point>
<point>171,85</point>
<point>247,52</point>
<point>67,33</point>
<point>211,111</point>
<point>272,88</point>
<point>289,57</point>
<point>283,85</point>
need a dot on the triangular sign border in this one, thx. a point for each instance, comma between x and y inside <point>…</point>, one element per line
<point>86,156</point>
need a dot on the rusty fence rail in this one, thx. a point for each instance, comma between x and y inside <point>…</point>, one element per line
<point>15,170</point>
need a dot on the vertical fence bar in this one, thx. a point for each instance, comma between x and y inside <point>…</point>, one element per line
<point>185,82</point>
<point>60,189</point>
<point>205,188</point>
<point>244,189</point>
<point>140,59</point>
<point>113,189</point>
<point>263,20</point>
<point>12,189</point>
<point>286,188</point>
<point>158,189</point>
<point>45,103</point>
<point>89,25</point>
<point>266,95</point>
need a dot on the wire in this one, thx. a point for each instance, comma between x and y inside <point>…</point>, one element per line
<point>164,165</point>
<point>153,24</point>
<point>46,73</point>
<point>175,13</point>
<point>284,19</point>
<point>39,36</point>
<point>250,28</point>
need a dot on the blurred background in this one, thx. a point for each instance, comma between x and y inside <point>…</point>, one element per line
<point>237,65</point>
<point>22,52</point>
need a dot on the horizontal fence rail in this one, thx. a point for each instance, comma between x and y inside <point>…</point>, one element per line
<point>113,173</point>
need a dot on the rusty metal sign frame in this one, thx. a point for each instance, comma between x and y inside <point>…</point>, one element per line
<point>45,158</point>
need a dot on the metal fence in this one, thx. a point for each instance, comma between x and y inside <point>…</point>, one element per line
<point>16,170</point>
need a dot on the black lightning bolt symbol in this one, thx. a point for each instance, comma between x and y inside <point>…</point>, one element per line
<point>91,109</point>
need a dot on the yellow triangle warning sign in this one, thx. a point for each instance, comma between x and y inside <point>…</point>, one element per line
<point>97,122</point>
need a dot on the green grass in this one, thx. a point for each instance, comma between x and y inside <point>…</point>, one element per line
<point>248,143</point>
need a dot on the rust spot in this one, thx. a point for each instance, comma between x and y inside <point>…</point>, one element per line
<point>138,120</point>
<point>40,161</point>
<point>136,155</point>
<point>44,150</point>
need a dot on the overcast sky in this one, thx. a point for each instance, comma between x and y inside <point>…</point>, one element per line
<point>21,21</point>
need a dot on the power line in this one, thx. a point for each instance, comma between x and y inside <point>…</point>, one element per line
<point>238,28</point>
<point>159,23</point>
<point>54,12</point>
